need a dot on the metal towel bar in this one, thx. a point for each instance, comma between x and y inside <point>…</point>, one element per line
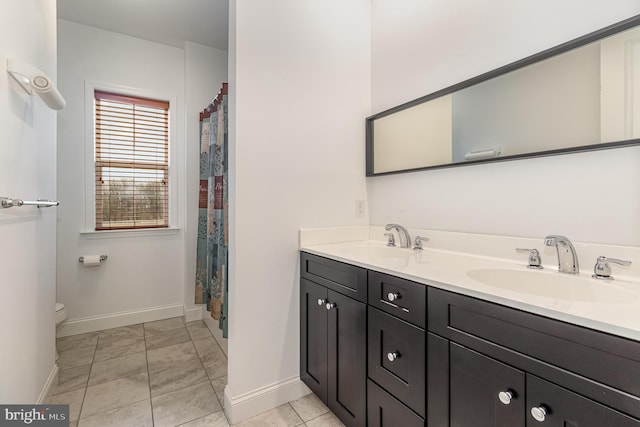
<point>102,258</point>
<point>6,202</point>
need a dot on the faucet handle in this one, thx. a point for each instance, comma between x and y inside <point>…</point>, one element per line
<point>535,261</point>
<point>417,243</point>
<point>602,269</point>
<point>391,241</point>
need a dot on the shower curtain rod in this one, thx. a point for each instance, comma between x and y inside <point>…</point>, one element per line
<point>215,101</point>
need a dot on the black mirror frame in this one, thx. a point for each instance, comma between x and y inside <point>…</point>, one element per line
<point>562,48</point>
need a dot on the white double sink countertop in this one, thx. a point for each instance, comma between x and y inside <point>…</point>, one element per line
<point>488,267</point>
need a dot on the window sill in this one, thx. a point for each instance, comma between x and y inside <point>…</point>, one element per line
<point>117,234</point>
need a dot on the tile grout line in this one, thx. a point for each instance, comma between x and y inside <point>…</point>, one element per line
<point>149,373</point>
<point>84,395</point>
<point>205,370</point>
<point>304,423</point>
<point>146,356</point>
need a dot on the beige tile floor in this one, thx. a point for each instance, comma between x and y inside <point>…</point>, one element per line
<point>164,373</point>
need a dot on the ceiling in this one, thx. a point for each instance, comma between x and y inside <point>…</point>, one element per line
<point>170,22</point>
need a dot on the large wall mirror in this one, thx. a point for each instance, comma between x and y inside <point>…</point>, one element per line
<point>581,95</point>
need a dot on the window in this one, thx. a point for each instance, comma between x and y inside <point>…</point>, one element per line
<point>131,162</point>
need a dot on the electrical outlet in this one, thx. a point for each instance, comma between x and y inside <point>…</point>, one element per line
<point>359,208</point>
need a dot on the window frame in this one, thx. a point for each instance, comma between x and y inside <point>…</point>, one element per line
<point>91,166</point>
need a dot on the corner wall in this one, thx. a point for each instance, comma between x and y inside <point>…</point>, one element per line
<point>421,46</point>
<point>299,93</point>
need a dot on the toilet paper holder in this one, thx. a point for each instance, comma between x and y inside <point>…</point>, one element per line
<point>102,258</point>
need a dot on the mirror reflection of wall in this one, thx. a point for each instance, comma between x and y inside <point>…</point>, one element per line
<point>547,105</point>
<point>420,136</point>
<point>620,74</point>
<point>584,96</point>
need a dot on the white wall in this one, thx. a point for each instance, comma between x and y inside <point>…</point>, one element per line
<point>299,82</point>
<point>205,71</point>
<point>144,276</point>
<point>419,46</point>
<point>27,252</point>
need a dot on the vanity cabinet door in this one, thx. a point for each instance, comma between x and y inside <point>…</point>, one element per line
<point>333,358</point>
<point>347,359</point>
<point>313,337</point>
<point>549,405</point>
<point>483,391</point>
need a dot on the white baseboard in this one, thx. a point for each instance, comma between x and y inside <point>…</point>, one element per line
<point>191,314</point>
<point>114,320</point>
<point>250,404</point>
<point>49,386</point>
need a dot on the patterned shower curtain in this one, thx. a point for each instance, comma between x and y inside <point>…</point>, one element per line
<point>213,235</point>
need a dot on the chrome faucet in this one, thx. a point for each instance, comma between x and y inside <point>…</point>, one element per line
<point>405,238</point>
<point>567,257</point>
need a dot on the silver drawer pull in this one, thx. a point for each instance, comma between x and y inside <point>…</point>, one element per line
<point>505,397</point>
<point>539,413</point>
<point>393,356</point>
<point>392,296</point>
<point>321,301</point>
<point>330,305</point>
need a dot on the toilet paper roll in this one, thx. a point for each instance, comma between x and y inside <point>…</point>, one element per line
<point>91,260</point>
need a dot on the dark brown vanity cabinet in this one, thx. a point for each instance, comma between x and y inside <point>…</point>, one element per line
<point>385,351</point>
<point>356,324</point>
<point>490,365</point>
<point>396,351</point>
<point>333,331</point>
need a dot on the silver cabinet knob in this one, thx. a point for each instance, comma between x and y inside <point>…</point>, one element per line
<point>321,301</point>
<point>539,413</point>
<point>392,296</point>
<point>330,305</point>
<point>393,356</point>
<point>505,397</point>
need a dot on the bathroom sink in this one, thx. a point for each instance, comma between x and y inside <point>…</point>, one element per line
<point>555,285</point>
<point>372,251</point>
<point>385,256</point>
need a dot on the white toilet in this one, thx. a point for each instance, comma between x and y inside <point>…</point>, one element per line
<point>61,317</point>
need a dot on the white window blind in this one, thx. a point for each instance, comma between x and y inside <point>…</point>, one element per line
<point>132,162</point>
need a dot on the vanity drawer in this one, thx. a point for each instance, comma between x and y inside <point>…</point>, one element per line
<point>402,298</point>
<point>385,410</point>
<point>396,356</point>
<point>344,278</point>
<point>582,354</point>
